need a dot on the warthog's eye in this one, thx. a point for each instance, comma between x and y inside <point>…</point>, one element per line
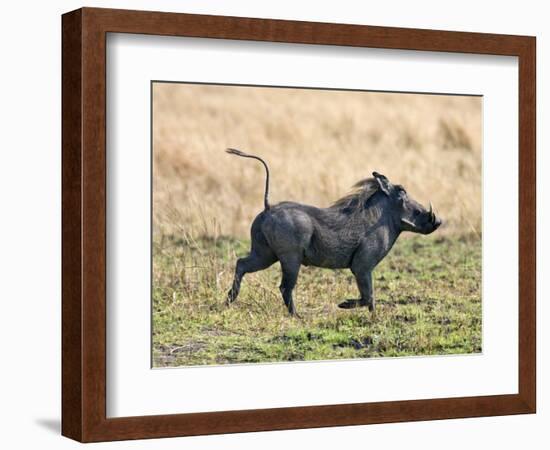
<point>416,212</point>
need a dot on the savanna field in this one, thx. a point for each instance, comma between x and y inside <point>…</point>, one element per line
<point>317,144</point>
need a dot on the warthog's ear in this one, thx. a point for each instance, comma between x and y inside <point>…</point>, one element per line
<point>383,182</point>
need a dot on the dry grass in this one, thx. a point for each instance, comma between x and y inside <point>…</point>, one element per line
<point>317,143</point>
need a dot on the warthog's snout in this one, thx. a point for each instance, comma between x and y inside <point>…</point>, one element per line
<point>414,217</point>
<point>436,221</point>
<point>432,221</point>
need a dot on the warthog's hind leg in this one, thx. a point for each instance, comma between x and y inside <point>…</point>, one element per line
<point>252,263</point>
<point>290,266</point>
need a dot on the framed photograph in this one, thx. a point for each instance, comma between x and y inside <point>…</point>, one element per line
<point>274,225</point>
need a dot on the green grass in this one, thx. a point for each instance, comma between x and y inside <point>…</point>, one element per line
<point>428,293</point>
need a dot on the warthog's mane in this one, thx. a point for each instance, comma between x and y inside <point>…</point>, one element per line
<point>357,199</point>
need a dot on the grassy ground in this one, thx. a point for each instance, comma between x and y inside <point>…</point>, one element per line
<point>428,292</point>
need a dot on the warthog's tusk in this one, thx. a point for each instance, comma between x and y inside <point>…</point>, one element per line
<point>408,222</point>
<point>432,215</point>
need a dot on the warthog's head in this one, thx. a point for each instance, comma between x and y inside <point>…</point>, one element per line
<point>410,214</point>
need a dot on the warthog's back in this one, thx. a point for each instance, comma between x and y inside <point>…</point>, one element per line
<point>317,234</point>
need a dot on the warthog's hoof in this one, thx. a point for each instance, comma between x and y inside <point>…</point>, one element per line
<point>230,297</point>
<point>351,303</point>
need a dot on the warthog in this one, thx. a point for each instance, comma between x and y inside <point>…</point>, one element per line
<point>356,232</point>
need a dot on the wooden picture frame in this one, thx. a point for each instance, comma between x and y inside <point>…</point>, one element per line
<point>84,224</point>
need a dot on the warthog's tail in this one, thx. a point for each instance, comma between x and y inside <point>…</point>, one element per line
<point>233,151</point>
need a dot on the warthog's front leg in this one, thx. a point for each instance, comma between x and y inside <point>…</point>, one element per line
<point>364,283</point>
<point>362,265</point>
